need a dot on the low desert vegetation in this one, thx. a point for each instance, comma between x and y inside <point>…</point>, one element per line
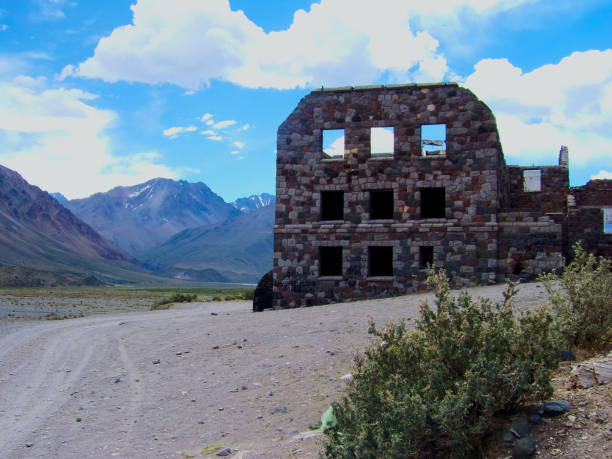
<point>433,391</point>
<point>174,298</point>
<point>583,306</point>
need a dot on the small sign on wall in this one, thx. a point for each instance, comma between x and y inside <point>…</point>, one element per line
<point>532,180</point>
<point>607,215</point>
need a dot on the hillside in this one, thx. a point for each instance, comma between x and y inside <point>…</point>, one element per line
<point>139,218</point>
<point>43,243</point>
<point>238,250</point>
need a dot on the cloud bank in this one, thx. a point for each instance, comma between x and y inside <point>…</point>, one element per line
<point>56,139</point>
<point>190,42</point>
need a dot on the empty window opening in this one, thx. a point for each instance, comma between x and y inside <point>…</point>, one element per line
<point>381,204</point>
<point>330,261</point>
<point>332,205</point>
<point>532,180</point>
<point>382,141</point>
<point>433,203</point>
<point>426,256</point>
<point>518,268</point>
<point>607,224</point>
<point>380,261</point>
<point>433,139</point>
<point>333,143</point>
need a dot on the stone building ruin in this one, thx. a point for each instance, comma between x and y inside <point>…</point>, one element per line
<point>362,219</point>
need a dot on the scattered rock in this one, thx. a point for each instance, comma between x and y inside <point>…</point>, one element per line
<point>29,445</point>
<point>117,380</point>
<point>524,448</point>
<point>535,419</point>
<point>566,355</point>
<point>215,347</point>
<point>270,394</point>
<point>225,452</point>
<point>291,432</point>
<point>347,377</point>
<point>521,426</point>
<point>280,409</point>
<point>556,407</point>
<point>156,362</point>
<point>214,314</point>
<point>591,373</point>
<point>508,437</point>
<point>78,419</point>
<point>244,387</point>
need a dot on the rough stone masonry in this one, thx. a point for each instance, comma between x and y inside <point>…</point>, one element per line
<point>365,220</point>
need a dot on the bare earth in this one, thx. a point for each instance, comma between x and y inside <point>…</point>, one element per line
<point>170,383</point>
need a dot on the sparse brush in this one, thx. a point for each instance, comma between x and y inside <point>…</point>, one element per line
<point>174,298</point>
<point>583,304</point>
<point>432,391</point>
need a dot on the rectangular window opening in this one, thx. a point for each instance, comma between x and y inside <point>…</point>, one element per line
<point>380,261</point>
<point>607,223</point>
<point>532,180</point>
<point>433,203</point>
<point>433,139</point>
<point>426,256</point>
<point>332,205</point>
<point>333,143</point>
<point>382,140</point>
<point>381,204</point>
<point>330,261</point>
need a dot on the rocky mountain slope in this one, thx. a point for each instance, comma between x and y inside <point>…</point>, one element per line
<point>44,239</point>
<point>254,202</point>
<point>238,250</point>
<point>139,218</point>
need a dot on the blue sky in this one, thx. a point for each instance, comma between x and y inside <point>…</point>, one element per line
<point>99,94</point>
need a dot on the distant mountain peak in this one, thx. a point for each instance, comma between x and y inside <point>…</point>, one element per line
<point>253,202</point>
<point>139,217</point>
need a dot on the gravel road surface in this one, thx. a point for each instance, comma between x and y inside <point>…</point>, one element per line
<point>166,383</point>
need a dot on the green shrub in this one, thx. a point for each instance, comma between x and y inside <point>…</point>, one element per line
<point>432,391</point>
<point>174,298</point>
<point>583,306</point>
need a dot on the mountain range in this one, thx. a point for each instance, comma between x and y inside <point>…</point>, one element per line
<point>168,228</point>
<point>139,218</point>
<point>45,243</point>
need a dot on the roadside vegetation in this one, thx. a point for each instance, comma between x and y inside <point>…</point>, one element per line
<point>67,303</point>
<point>433,391</point>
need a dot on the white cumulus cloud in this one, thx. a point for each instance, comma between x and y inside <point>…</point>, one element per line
<point>57,140</point>
<point>224,124</point>
<point>239,144</point>
<point>174,132</point>
<point>602,175</point>
<point>190,42</point>
<point>567,103</point>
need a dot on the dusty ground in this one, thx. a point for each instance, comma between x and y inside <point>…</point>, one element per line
<point>170,383</point>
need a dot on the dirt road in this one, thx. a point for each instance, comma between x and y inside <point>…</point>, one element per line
<point>162,383</point>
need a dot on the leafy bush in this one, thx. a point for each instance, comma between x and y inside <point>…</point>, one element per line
<point>175,298</point>
<point>432,391</point>
<point>583,306</point>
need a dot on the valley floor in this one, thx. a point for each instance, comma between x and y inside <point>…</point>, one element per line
<point>204,375</point>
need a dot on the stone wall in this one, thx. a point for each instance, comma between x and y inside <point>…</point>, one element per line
<point>585,219</point>
<point>460,207</point>
<point>464,241</point>
<point>552,197</point>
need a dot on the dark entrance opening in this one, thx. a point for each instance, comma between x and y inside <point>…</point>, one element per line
<point>332,205</point>
<point>330,261</point>
<point>381,204</point>
<point>380,261</point>
<point>426,256</point>
<point>433,203</point>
